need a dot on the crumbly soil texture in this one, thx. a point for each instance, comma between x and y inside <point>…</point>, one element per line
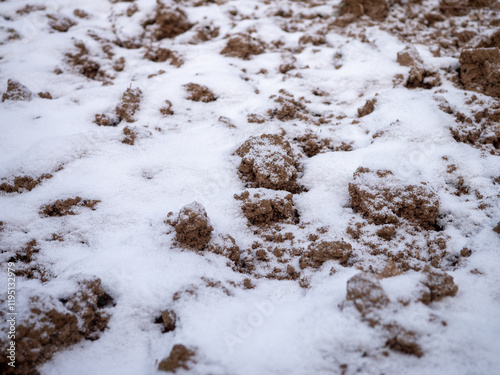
<point>250,186</point>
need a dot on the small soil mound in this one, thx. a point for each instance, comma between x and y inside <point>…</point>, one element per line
<point>164,54</point>
<point>367,295</point>
<point>167,110</point>
<point>480,70</point>
<point>66,207</point>
<point>225,246</point>
<point>192,226</point>
<point>409,57</point>
<point>84,64</point>
<point>321,252</point>
<point>243,46</point>
<point>130,136</point>
<point>383,199</point>
<point>131,100</point>
<point>199,93</point>
<point>45,95</point>
<point>497,228</point>
<point>24,183</point>
<point>375,9</point>
<point>60,23</point>
<point>269,162</point>
<point>169,22</point>
<point>422,78</point>
<point>437,285</point>
<point>180,357</point>
<point>403,341</point>
<point>168,319</point>
<point>204,33</point>
<point>263,207</point>
<point>106,120</point>
<point>368,108</point>
<point>52,325</point>
<point>16,91</point>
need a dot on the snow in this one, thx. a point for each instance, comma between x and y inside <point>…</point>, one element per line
<point>277,327</point>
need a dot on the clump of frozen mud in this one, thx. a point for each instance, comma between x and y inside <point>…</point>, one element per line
<point>24,183</point>
<point>263,207</point>
<point>375,9</point>
<point>437,285</point>
<point>131,100</point>
<point>384,199</point>
<point>480,70</point>
<point>192,226</point>
<point>60,23</point>
<point>180,358</point>
<point>168,22</point>
<point>243,46</point>
<point>67,206</point>
<point>419,76</point>
<point>52,325</point>
<point>367,108</point>
<point>84,64</point>
<point>104,119</point>
<point>164,54</point>
<point>268,161</point>
<point>199,93</point>
<point>16,91</point>
<point>320,252</point>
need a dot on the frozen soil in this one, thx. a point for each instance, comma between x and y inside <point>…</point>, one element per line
<point>341,157</point>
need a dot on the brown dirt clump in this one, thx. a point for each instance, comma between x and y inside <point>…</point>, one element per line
<point>437,285</point>
<point>169,22</point>
<point>167,110</point>
<point>263,207</point>
<point>52,325</point>
<point>24,183</point>
<point>375,9</point>
<point>66,207</point>
<point>321,252</point>
<point>192,226</point>
<point>422,78</point>
<point>199,93</point>
<point>162,55</point>
<point>409,57</point>
<point>383,199</point>
<point>368,108</point>
<point>367,295</point>
<point>130,136</point>
<point>243,46</point>
<point>84,64</point>
<point>168,319</point>
<point>403,341</point>
<point>45,95</point>
<point>268,161</point>
<point>480,70</point>
<point>131,100</point>
<point>497,228</point>
<point>16,91</point>
<point>106,120</point>
<point>180,357</point>
<point>462,7</point>
<point>204,33</point>
<point>387,232</point>
<point>61,24</point>
<point>225,246</point>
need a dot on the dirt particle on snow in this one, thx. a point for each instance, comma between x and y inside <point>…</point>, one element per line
<point>365,292</point>
<point>192,226</point>
<point>168,22</point>
<point>226,246</point>
<point>168,319</point>
<point>375,9</point>
<point>321,252</point>
<point>255,119</point>
<point>67,206</point>
<point>437,285</point>
<point>387,232</point>
<point>268,161</point>
<point>106,120</point>
<point>45,95</point>
<point>403,341</point>
<point>131,100</point>
<point>199,93</point>
<point>60,23</point>
<point>164,54</point>
<point>497,228</point>
<point>119,64</point>
<point>167,109</point>
<point>16,91</point>
<point>80,13</point>
<point>422,78</point>
<point>390,270</point>
<point>204,33</point>
<point>52,325</point>
<point>264,207</point>
<point>130,136</point>
<point>84,65</point>
<point>180,357</point>
<point>368,108</point>
<point>24,183</point>
<point>480,70</point>
<point>383,199</point>
<point>243,46</point>
<point>409,57</point>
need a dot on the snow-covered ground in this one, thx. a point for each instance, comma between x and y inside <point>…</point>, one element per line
<point>302,75</point>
